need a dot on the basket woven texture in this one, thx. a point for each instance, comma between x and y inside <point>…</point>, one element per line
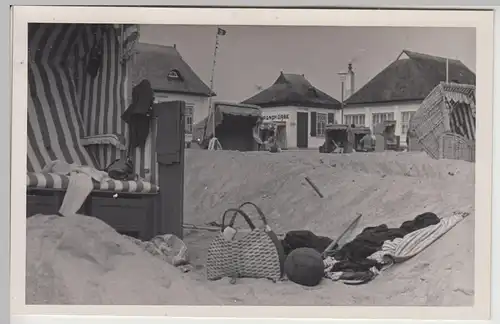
<point>259,254</point>
<point>431,125</point>
<point>456,147</point>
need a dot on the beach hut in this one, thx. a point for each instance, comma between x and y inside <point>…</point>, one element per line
<point>339,133</point>
<point>445,123</point>
<point>78,83</point>
<point>234,126</point>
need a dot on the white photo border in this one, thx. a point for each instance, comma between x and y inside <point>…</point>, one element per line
<point>481,20</point>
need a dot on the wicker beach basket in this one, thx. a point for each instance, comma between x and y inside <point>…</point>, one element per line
<point>445,122</point>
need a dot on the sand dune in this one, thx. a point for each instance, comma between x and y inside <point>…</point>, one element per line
<point>386,188</point>
<point>83,261</point>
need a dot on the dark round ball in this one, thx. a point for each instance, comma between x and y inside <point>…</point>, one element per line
<point>304,266</point>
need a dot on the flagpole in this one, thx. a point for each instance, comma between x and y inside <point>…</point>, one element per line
<point>447,70</point>
<point>214,62</point>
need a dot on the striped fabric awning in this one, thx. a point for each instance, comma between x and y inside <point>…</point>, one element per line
<point>67,108</point>
<point>54,123</point>
<point>461,103</point>
<point>462,120</point>
<point>102,99</point>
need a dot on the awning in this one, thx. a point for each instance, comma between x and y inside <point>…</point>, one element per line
<point>223,108</point>
<point>237,109</point>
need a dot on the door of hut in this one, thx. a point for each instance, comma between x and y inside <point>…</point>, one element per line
<point>302,123</point>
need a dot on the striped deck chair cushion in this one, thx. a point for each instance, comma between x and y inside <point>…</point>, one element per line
<point>57,181</point>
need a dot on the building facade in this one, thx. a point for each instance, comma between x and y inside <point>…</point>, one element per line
<point>370,115</point>
<point>299,127</point>
<point>197,108</point>
<point>172,79</point>
<point>398,90</point>
<point>299,110</point>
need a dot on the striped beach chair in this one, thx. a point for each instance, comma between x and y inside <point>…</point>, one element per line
<point>76,118</point>
<point>445,123</point>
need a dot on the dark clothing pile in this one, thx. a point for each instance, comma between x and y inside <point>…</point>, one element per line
<point>138,114</point>
<point>304,239</point>
<point>352,257</point>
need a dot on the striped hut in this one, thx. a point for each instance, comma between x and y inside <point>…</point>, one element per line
<point>445,123</point>
<point>78,80</point>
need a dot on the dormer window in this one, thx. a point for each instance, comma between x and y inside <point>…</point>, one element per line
<point>174,75</point>
<point>312,91</point>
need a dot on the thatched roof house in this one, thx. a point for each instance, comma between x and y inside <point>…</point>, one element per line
<point>395,94</point>
<point>293,90</point>
<point>411,77</point>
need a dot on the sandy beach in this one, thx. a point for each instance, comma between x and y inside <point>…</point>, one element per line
<point>83,261</point>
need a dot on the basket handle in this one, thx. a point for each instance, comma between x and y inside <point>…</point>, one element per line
<point>235,212</point>
<point>259,211</point>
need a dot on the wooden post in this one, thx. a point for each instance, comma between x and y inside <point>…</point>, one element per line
<point>170,156</point>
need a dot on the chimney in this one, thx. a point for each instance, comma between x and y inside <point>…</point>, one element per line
<point>350,85</point>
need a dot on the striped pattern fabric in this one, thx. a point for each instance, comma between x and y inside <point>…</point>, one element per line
<point>102,100</point>
<point>401,249</point>
<point>58,181</point>
<point>55,125</point>
<point>66,106</point>
<point>462,120</point>
<point>449,108</point>
<point>461,103</point>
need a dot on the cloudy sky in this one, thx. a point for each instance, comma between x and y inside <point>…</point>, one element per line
<point>253,56</point>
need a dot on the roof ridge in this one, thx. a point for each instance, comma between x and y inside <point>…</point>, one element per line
<point>154,44</point>
<point>412,55</point>
<point>410,78</point>
<point>293,89</point>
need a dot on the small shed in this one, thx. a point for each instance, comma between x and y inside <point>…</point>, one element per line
<point>445,123</point>
<point>339,133</point>
<point>234,126</point>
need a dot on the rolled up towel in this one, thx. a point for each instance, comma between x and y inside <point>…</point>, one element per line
<point>79,187</point>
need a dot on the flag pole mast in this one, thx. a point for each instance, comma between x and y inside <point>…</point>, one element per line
<point>447,69</point>
<point>214,62</point>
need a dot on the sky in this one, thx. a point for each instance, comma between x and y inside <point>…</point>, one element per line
<point>252,57</point>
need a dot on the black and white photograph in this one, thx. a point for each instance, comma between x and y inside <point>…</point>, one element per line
<point>252,165</point>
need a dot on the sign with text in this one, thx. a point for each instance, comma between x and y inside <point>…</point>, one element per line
<point>277,117</point>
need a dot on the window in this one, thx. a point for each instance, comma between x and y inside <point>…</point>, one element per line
<point>188,118</point>
<point>405,121</point>
<point>321,121</point>
<point>358,120</point>
<point>378,118</point>
<point>174,74</point>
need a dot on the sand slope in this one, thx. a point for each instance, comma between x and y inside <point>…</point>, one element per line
<point>386,188</point>
<point>83,261</point>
